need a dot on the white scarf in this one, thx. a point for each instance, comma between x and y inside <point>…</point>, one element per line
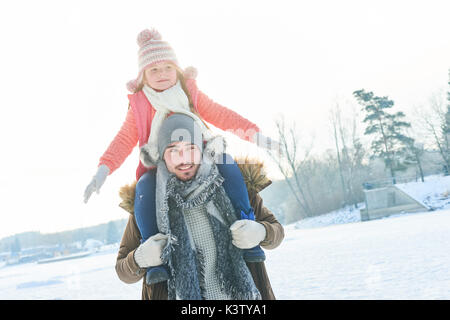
<point>170,100</point>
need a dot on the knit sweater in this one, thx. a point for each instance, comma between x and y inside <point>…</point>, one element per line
<point>137,125</point>
<point>201,232</point>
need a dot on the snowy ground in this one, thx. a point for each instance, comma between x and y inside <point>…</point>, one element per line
<point>334,256</point>
<point>405,257</point>
<point>434,193</point>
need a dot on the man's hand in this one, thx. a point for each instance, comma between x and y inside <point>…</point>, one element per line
<point>97,181</point>
<point>148,254</point>
<point>247,234</point>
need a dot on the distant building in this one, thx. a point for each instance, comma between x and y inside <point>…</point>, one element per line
<point>388,200</point>
<point>93,245</point>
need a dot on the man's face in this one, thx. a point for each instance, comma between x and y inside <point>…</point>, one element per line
<point>182,159</point>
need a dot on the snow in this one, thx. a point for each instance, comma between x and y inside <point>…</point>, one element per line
<point>433,193</point>
<point>333,256</point>
<point>91,277</point>
<point>345,215</point>
<point>404,257</point>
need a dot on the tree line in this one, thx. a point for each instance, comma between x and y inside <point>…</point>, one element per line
<point>108,233</point>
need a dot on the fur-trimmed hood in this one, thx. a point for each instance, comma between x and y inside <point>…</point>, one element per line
<point>252,170</point>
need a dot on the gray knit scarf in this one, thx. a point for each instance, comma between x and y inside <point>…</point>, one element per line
<point>185,263</point>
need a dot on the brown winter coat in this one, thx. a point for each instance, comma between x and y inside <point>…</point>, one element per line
<point>255,179</point>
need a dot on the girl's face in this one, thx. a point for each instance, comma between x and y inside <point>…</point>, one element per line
<point>161,76</point>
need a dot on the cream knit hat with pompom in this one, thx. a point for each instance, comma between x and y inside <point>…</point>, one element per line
<point>152,49</point>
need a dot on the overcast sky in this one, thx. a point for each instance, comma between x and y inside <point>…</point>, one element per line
<point>64,66</point>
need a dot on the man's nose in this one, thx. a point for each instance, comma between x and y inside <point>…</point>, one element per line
<point>184,155</point>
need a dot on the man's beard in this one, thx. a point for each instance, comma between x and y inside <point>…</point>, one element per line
<point>186,176</point>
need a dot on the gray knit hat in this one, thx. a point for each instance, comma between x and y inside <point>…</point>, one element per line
<point>179,127</point>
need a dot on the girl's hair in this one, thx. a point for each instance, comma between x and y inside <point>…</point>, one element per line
<point>180,76</point>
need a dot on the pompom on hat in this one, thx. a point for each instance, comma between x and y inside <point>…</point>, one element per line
<point>152,49</point>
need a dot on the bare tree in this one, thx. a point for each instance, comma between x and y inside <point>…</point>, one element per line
<point>335,119</point>
<point>350,153</point>
<point>430,120</point>
<point>293,160</point>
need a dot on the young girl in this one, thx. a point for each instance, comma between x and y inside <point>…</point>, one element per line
<point>161,88</point>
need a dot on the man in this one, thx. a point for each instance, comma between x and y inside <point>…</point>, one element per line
<point>200,238</point>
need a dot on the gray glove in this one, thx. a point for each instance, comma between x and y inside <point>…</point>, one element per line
<point>97,182</point>
<point>148,254</point>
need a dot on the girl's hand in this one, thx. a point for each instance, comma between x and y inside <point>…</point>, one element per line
<point>97,181</point>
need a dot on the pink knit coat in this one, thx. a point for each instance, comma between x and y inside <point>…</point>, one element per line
<point>137,125</point>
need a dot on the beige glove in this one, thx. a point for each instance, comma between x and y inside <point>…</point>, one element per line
<point>247,234</point>
<point>148,254</point>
